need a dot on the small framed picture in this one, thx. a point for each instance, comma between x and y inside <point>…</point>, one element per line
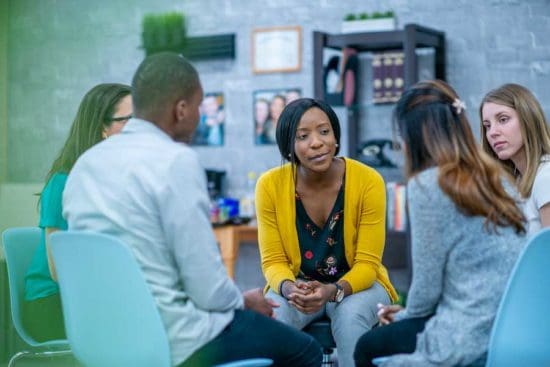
<point>210,130</point>
<point>268,105</point>
<point>277,49</point>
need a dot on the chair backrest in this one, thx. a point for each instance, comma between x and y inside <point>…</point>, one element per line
<point>521,330</point>
<point>19,247</point>
<point>111,318</point>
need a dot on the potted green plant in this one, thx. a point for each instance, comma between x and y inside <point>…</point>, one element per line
<point>163,32</point>
<point>365,22</point>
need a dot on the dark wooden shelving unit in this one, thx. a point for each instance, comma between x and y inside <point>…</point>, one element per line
<point>409,39</point>
<point>413,36</point>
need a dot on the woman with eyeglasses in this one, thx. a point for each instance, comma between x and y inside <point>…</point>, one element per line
<point>103,112</point>
<point>466,234</point>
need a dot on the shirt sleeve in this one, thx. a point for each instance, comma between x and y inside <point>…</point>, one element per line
<point>184,217</point>
<point>275,263</point>
<point>428,251</point>
<point>371,235</point>
<point>541,186</point>
<point>51,210</point>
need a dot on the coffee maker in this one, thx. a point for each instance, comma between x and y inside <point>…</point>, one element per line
<point>215,183</point>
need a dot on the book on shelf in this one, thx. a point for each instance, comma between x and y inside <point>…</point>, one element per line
<point>398,75</point>
<point>377,78</point>
<point>388,76</point>
<point>396,207</point>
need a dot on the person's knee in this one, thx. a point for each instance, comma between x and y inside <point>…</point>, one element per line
<point>368,346</point>
<point>313,355</point>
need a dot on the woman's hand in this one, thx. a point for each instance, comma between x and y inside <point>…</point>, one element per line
<point>290,288</point>
<point>319,294</point>
<point>386,313</point>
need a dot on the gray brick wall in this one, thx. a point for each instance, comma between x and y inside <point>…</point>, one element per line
<point>57,50</point>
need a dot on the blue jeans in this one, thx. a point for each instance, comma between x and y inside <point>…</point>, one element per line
<point>350,319</point>
<point>251,335</point>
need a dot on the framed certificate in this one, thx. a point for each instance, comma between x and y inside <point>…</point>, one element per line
<point>277,49</point>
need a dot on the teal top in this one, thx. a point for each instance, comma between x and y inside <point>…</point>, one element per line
<point>38,280</point>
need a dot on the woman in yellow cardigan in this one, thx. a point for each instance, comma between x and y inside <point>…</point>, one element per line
<point>321,228</point>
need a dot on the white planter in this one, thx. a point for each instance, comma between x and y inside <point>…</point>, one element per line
<point>368,25</point>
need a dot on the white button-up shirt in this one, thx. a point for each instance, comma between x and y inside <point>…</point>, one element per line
<point>150,192</point>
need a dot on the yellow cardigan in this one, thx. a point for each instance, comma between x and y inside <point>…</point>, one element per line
<point>364,227</point>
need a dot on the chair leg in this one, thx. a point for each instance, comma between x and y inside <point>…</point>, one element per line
<point>16,356</point>
<point>42,354</point>
<point>327,352</point>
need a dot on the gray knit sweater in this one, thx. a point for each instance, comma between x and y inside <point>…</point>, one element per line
<point>459,273</point>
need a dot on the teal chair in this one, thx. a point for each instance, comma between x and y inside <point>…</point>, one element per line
<point>19,247</point>
<point>521,331</point>
<point>111,318</point>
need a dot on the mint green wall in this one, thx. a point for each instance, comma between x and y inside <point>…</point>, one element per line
<point>57,51</point>
<point>3,90</point>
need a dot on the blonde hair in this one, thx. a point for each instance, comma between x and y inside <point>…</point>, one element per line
<point>534,131</point>
<point>437,134</point>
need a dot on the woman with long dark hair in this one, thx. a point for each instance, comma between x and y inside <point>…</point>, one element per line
<point>103,112</point>
<point>466,232</point>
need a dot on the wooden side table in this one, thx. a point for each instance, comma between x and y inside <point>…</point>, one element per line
<point>229,238</point>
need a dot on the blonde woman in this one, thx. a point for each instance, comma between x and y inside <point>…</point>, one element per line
<point>515,131</point>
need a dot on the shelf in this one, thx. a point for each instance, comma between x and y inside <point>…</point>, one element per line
<point>409,39</point>
<point>210,47</point>
<point>397,250</point>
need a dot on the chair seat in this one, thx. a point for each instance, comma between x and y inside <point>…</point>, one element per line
<point>322,332</point>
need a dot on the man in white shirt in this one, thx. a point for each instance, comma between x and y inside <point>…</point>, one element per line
<point>147,188</point>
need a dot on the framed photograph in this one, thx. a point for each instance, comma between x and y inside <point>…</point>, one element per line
<point>210,130</point>
<point>277,49</point>
<point>268,105</point>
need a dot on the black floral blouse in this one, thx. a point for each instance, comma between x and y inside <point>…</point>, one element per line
<point>322,249</point>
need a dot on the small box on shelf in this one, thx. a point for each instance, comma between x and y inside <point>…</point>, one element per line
<point>368,25</point>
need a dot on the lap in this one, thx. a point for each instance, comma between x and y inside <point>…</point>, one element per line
<point>357,307</point>
<point>395,338</point>
<point>360,306</point>
<point>43,318</point>
<point>251,335</point>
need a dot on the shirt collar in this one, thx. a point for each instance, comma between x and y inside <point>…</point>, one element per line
<point>136,125</point>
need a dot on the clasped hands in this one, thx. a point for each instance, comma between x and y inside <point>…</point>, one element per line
<point>307,297</point>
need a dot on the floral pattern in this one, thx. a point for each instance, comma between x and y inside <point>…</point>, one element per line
<point>322,249</point>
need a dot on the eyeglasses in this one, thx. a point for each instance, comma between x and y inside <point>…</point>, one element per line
<point>121,118</point>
